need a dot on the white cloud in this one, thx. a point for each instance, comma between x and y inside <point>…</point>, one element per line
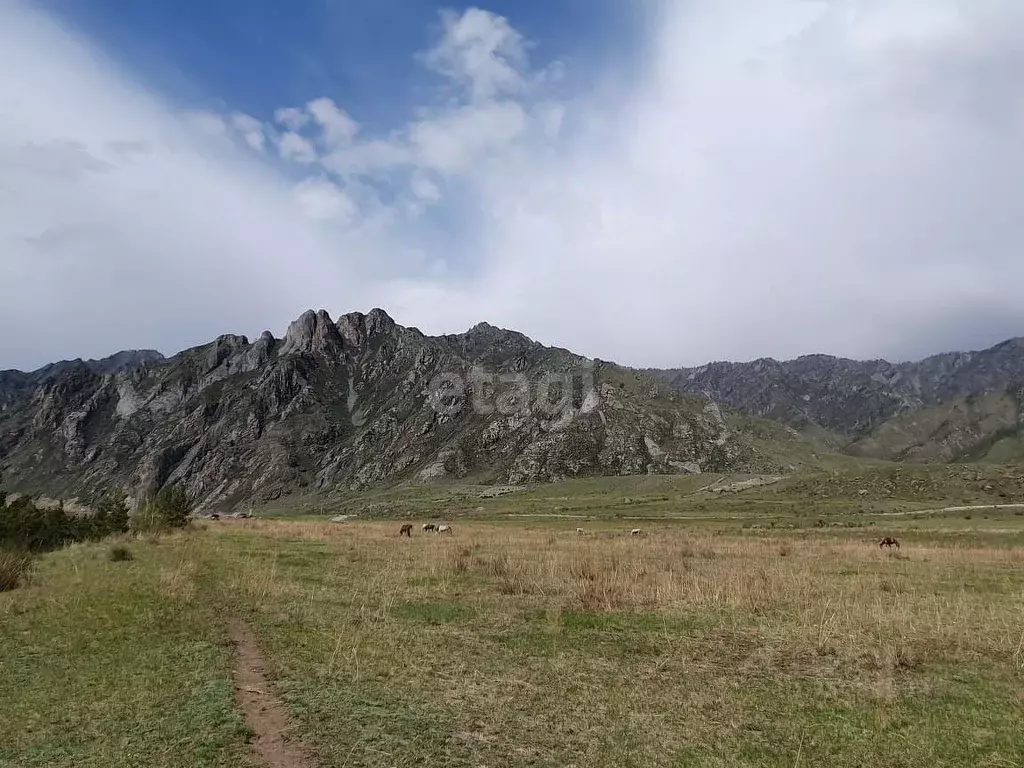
<point>781,178</point>
<point>338,127</point>
<point>123,224</point>
<point>322,200</point>
<point>482,52</point>
<point>368,157</point>
<point>292,146</point>
<point>769,189</point>
<point>453,142</point>
<point>423,188</point>
<point>251,130</point>
<point>291,118</point>
<point>209,123</point>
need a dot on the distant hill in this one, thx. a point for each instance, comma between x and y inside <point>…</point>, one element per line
<point>954,406</point>
<point>362,402</point>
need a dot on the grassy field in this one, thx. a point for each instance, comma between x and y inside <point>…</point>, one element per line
<point>851,494</point>
<point>517,642</point>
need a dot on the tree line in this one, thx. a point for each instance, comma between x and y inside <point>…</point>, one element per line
<point>25,525</point>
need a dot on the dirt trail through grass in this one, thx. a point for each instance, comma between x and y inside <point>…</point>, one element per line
<point>264,713</point>
<point>944,510</point>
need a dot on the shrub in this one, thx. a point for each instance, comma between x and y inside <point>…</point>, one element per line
<point>119,553</point>
<point>24,525</point>
<point>166,510</point>
<point>148,519</point>
<point>173,506</point>
<point>112,512</point>
<point>14,568</point>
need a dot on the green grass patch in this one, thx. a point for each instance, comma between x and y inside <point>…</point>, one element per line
<point>106,666</point>
<point>433,613</point>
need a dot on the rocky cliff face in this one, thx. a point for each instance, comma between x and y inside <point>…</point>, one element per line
<point>882,409</point>
<point>352,403</point>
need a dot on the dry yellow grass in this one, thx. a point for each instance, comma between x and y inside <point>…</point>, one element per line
<point>530,645</point>
<point>839,594</point>
<point>542,645</point>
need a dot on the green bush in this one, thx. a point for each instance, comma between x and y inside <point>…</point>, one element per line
<point>14,568</point>
<point>112,512</point>
<point>165,511</point>
<point>173,506</point>
<point>26,526</point>
<point>148,519</point>
<point>119,553</point>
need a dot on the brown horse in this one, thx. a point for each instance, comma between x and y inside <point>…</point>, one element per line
<point>889,542</point>
<point>406,531</point>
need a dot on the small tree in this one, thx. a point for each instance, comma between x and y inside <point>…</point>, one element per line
<point>112,511</point>
<point>173,506</point>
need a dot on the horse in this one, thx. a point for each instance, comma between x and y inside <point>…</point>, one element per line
<point>636,532</point>
<point>889,542</point>
<point>580,531</point>
<point>445,529</point>
<point>406,531</point>
<point>429,527</point>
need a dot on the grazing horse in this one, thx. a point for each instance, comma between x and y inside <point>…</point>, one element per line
<point>580,531</point>
<point>406,531</point>
<point>445,529</point>
<point>429,527</point>
<point>636,532</point>
<point>889,542</point>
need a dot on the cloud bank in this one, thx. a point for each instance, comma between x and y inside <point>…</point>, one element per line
<point>785,179</point>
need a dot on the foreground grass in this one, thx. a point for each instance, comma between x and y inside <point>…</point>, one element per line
<point>116,663</point>
<point>516,645</point>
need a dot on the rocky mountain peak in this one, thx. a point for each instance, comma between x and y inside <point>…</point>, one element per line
<point>312,332</point>
<point>487,343</point>
<point>356,328</point>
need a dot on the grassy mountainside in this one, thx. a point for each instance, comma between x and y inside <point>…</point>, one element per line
<point>974,428</point>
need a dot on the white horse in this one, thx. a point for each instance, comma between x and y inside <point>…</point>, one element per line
<point>580,531</point>
<point>445,529</point>
<point>636,532</point>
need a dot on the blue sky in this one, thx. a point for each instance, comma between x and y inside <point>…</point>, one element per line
<point>657,183</point>
<point>255,55</point>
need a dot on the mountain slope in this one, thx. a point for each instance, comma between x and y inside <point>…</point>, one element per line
<point>968,429</point>
<point>356,403</point>
<point>15,385</point>
<point>852,398</point>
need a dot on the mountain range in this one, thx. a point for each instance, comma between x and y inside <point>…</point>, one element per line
<point>355,403</point>
<point>948,407</point>
<point>361,401</point>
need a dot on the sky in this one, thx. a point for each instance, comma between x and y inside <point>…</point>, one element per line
<point>654,182</point>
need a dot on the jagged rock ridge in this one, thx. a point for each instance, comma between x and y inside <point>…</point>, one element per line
<point>351,404</point>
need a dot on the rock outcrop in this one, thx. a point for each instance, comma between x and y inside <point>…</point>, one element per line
<point>351,404</point>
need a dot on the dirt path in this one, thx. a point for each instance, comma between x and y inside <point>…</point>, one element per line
<point>940,510</point>
<point>264,713</point>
